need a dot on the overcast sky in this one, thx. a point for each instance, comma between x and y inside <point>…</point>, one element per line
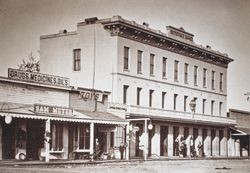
<point>222,24</point>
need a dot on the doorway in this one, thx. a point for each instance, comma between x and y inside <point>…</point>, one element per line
<point>164,140</point>
<point>35,139</point>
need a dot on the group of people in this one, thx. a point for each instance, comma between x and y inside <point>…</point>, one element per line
<point>180,148</point>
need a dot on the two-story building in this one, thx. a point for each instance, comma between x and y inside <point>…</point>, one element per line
<point>152,77</point>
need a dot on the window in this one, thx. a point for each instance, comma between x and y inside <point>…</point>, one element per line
<point>203,106</point>
<point>84,136</point>
<point>195,99</point>
<point>175,100</point>
<point>152,59</point>
<point>139,61</point>
<point>212,107</point>
<point>212,82</point>
<point>57,136</point>
<point>126,58</point>
<point>138,96</point>
<point>220,108</point>
<point>164,67</point>
<point>221,79</point>
<point>163,99</point>
<point>125,90</point>
<point>176,64</point>
<point>150,97</point>
<point>185,103</point>
<point>77,60</point>
<point>195,75</point>
<point>186,73</point>
<point>204,77</point>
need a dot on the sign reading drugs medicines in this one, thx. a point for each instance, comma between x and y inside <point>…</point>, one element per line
<point>38,77</point>
<point>56,110</point>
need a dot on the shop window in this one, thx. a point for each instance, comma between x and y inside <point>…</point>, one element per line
<point>57,136</point>
<point>82,137</point>
<point>112,135</point>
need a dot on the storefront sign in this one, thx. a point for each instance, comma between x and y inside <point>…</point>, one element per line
<point>38,77</point>
<point>45,109</point>
<point>90,95</point>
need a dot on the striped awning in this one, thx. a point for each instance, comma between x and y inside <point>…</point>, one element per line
<point>27,112</point>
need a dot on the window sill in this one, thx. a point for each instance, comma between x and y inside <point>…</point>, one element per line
<point>81,151</point>
<point>56,151</point>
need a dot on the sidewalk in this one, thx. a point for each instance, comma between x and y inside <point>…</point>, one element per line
<point>16,163</point>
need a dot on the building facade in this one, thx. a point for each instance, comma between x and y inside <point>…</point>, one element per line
<point>152,77</point>
<point>240,134</point>
<point>43,117</point>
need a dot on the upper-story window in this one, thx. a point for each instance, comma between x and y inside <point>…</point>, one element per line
<point>126,58</point>
<point>176,68</point>
<point>212,80</point>
<point>163,95</point>
<point>150,97</point>
<point>221,81</point>
<point>186,73</point>
<point>138,96</point>
<point>175,101</point>
<point>212,107</point>
<point>185,103</point>
<point>77,60</point>
<point>203,106</point>
<point>139,61</point>
<point>152,61</point>
<point>204,77</point>
<point>220,108</point>
<point>195,75</point>
<point>125,93</point>
<point>164,67</point>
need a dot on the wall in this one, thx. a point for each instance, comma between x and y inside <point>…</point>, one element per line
<point>27,94</point>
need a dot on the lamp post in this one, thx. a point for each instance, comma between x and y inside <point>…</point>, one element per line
<point>192,105</point>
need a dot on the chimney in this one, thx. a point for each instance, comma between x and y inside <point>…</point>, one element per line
<point>145,24</point>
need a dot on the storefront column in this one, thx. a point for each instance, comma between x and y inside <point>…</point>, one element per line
<point>92,137</point>
<point>223,144</point>
<point>215,144</point>
<point>127,142</point>
<point>198,140</point>
<point>65,141</point>
<point>155,144</point>
<point>47,134</point>
<point>231,147</point>
<point>207,143</point>
<point>170,141</point>
<point>145,139</point>
<point>181,133</point>
<point>1,131</point>
<point>189,141</point>
<point>237,147</point>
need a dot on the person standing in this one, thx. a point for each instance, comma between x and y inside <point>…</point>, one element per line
<point>121,149</point>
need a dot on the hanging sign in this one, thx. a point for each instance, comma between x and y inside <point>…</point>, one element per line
<point>38,78</point>
<point>45,109</point>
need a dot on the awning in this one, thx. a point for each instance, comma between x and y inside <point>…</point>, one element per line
<point>240,131</point>
<point>16,110</point>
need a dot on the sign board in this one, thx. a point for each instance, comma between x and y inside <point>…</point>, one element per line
<point>91,95</point>
<point>38,78</point>
<point>55,110</point>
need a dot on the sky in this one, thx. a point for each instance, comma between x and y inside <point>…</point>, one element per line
<point>222,24</point>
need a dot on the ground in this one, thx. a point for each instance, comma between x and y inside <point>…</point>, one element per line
<point>166,166</point>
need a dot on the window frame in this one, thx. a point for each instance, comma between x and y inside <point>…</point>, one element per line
<point>126,55</point>
<point>77,53</point>
<point>176,70</point>
<point>139,61</point>
<point>151,64</point>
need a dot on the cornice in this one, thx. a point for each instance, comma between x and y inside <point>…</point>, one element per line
<point>143,34</point>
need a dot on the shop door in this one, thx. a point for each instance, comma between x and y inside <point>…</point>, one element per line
<point>8,139</point>
<point>35,138</point>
